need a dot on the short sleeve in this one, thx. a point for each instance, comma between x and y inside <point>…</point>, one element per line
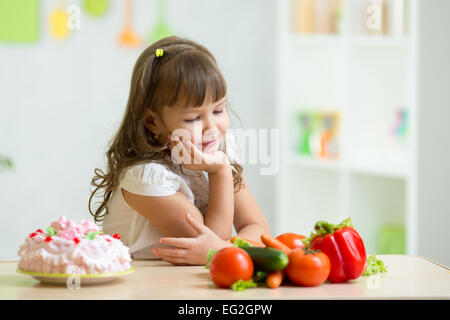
<point>233,149</point>
<point>150,179</point>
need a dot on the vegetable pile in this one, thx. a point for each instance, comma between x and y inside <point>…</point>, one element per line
<point>332,252</point>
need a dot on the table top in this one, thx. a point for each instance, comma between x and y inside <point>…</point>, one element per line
<point>408,277</point>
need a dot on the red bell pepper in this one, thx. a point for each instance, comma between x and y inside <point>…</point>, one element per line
<point>343,246</point>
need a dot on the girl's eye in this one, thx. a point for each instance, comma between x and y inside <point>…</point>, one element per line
<point>191,120</point>
<point>198,118</point>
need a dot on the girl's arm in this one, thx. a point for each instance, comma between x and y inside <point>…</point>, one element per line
<point>188,235</point>
<point>249,220</point>
<point>167,213</point>
<point>219,214</point>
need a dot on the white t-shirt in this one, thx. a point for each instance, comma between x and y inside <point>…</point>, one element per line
<point>156,178</point>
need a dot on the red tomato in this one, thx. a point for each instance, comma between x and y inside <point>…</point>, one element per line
<point>230,265</point>
<point>308,269</point>
<point>292,240</point>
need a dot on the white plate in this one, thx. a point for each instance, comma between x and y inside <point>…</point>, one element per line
<point>71,279</point>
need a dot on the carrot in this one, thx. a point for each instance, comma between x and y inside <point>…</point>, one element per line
<point>255,243</point>
<point>274,243</point>
<point>274,279</point>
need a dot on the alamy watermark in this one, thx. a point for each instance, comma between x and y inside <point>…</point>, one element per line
<point>251,146</point>
<point>373,282</point>
<point>74,280</point>
<point>74,17</point>
<point>374,19</point>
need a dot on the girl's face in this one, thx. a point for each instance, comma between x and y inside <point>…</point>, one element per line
<point>206,125</point>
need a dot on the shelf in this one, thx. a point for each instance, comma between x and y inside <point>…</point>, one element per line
<point>370,169</point>
<point>380,169</point>
<point>378,40</point>
<point>310,162</point>
<point>316,39</point>
<point>367,78</point>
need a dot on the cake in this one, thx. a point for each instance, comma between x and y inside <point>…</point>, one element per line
<point>66,247</point>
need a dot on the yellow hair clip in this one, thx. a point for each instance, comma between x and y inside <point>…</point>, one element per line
<point>159,52</point>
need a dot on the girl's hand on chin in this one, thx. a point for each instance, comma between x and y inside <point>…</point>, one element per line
<point>190,251</point>
<point>190,157</point>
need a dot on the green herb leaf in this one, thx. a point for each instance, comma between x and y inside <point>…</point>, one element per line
<point>241,285</point>
<point>240,243</point>
<point>209,257</point>
<point>374,266</point>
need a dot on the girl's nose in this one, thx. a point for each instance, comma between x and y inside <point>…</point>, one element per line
<point>209,124</point>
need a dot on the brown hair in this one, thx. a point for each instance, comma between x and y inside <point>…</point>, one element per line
<point>182,76</point>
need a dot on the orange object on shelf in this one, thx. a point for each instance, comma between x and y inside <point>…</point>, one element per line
<point>304,16</point>
<point>328,138</point>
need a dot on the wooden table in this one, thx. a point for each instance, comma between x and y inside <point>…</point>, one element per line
<point>408,277</point>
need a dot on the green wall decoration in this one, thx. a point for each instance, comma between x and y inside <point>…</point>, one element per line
<point>19,20</point>
<point>6,162</point>
<point>96,7</point>
<point>161,29</point>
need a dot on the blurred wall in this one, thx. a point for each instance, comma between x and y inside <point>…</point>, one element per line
<point>61,102</point>
<point>433,155</point>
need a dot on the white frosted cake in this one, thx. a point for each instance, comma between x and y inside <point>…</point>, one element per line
<point>67,247</point>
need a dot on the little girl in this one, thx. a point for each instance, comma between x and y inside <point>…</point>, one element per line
<point>164,207</point>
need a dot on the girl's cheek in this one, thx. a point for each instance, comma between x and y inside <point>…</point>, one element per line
<point>223,126</point>
<point>225,121</point>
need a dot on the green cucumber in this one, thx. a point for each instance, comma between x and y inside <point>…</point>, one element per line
<point>267,259</point>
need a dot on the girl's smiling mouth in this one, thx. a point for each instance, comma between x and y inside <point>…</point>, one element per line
<point>208,144</point>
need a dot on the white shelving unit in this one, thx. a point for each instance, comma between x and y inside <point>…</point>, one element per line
<point>366,78</point>
<point>376,180</point>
